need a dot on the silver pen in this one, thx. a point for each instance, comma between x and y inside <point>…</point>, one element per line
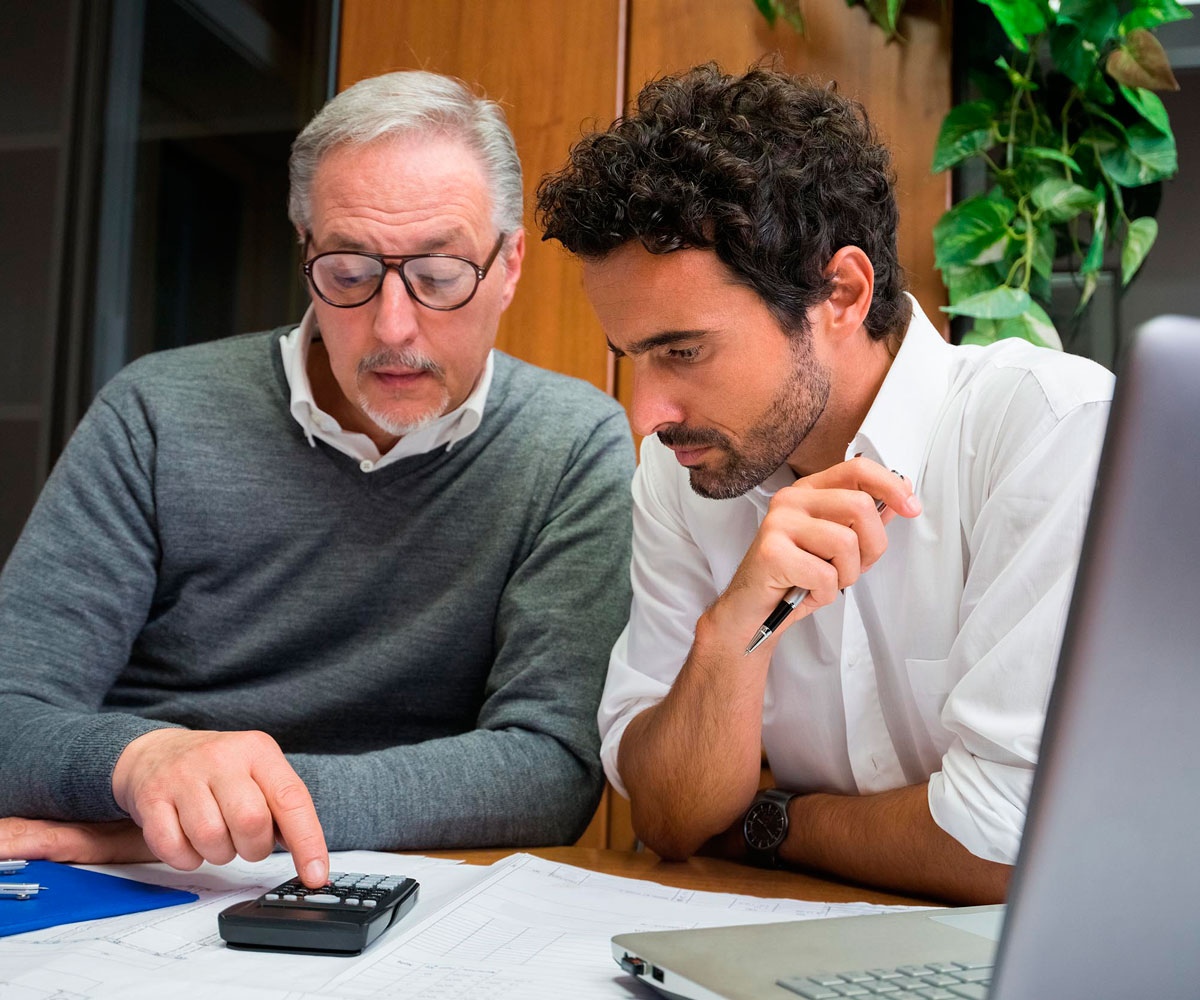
<point>786,606</point>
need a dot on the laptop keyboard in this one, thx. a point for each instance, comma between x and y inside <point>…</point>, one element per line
<point>932,981</point>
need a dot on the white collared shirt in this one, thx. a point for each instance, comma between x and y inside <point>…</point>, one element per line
<point>936,665</point>
<point>447,430</point>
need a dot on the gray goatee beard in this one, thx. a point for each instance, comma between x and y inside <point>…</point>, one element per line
<point>406,358</point>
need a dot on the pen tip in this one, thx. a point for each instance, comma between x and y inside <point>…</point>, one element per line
<point>759,638</point>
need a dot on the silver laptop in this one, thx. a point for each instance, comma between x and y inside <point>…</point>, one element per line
<point>1105,898</point>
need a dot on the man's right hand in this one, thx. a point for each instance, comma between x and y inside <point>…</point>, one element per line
<point>821,533</point>
<point>211,796</point>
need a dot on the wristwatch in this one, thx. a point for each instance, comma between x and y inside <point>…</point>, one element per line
<point>766,826</point>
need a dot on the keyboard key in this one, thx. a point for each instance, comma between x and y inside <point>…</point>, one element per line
<point>886,973</point>
<point>827,980</point>
<point>969,991</point>
<point>806,988</point>
<point>882,987</point>
<point>850,990</point>
<point>974,965</point>
<point>913,970</point>
<point>939,980</point>
<point>973,975</point>
<point>934,993</point>
<point>857,977</point>
<point>909,983</point>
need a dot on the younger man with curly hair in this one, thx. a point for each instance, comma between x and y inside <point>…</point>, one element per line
<point>738,237</point>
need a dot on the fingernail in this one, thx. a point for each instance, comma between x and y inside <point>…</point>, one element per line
<point>315,872</point>
<point>912,506</point>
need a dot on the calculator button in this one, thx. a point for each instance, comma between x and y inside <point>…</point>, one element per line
<point>368,902</point>
<point>271,895</point>
<point>322,897</point>
<point>351,901</point>
<point>291,898</point>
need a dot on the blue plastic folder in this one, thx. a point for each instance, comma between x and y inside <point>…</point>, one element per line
<point>77,894</point>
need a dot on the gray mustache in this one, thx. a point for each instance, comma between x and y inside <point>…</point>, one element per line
<point>399,358</point>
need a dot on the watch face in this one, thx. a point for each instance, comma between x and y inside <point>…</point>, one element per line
<point>765,825</point>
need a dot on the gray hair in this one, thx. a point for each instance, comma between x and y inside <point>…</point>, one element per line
<point>408,103</point>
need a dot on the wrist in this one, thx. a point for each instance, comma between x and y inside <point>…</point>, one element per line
<point>798,850</point>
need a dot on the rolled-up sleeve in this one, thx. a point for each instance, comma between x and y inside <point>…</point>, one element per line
<point>1024,547</point>
<point>672,585</point>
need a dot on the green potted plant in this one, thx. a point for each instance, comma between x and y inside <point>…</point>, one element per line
<point>1071,134</point>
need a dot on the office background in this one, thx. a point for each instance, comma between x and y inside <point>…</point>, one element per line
<point>143,148</point>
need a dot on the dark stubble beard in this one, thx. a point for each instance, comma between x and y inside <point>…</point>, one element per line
<point>787,421</point>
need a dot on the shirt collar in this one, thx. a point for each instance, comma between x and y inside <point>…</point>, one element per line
<point>901,419</point>
<point>447,430</point>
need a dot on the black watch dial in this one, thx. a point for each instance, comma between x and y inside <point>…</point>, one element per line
<point>765,825</point>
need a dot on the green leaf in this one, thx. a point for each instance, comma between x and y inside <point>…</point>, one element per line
<point>886,14</point>
<point>1149,105</point>
<point>972,227</point>
<point>1044,244</point>
<point>1149,156</point>
<point>1139,238</point>
<point>1033,325</point>
<point>1152,15</point>
<point>965,131</point>
<point>1095,254</point>
<point>1098,20</point>
<point>1141,62</point>
<point>1061,200</point>
<point>996,303</point>
<point>789,10</point>
<point>1078,58</point>
<point>1046,153</point>
<point>963,282</point>
<point>1090,281</point>
<point>1019,18</point>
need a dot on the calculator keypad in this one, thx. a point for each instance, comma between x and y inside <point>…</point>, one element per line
<point>344,891</point>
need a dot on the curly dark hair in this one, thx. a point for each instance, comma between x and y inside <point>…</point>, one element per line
<point>773,172</point>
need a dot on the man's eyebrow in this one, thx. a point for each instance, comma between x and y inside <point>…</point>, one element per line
<point>431,244</point>
<point>657,340</point>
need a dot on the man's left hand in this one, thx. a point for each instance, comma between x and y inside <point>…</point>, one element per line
<point>82,843</point>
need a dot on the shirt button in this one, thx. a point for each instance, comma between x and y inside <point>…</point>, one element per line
<point>366,465</point>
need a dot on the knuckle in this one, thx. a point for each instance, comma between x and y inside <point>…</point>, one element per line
<point>250,819</point>
<point>292,796</point>
<point>209,831</point>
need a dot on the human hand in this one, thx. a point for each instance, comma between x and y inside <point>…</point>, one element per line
<point>211,796</point>
<point>79,843</point>
<point>821,533</point>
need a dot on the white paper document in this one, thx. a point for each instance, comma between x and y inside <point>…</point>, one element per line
<point>524,928</point>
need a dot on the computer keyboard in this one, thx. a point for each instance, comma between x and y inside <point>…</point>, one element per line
<point>932,981</point>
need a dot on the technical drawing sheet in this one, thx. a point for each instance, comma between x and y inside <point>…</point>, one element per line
<point>522,928</point>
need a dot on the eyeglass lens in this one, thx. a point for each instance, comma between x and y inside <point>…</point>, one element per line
<point>349,279</point>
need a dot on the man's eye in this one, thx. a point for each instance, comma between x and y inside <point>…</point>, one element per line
<point>683,353</point>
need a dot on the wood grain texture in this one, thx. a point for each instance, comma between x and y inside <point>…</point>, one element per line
<point>905,87</point>
<point>709,874</point>
<point>552,67</point>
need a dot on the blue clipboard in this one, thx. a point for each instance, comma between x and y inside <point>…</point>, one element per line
<point>74,894</point>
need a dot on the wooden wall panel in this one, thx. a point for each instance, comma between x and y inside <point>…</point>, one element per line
<point>552,66</point>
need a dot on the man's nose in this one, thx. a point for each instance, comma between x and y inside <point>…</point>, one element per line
<point>654,405</point>
<point>397,319</point>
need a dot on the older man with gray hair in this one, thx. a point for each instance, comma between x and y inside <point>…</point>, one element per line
<point>349,584</point>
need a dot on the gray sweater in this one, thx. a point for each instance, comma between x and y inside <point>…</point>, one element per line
<point>427,642</point>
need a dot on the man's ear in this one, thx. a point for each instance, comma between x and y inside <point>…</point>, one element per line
<point>513,253</point>
<point>853,280</point>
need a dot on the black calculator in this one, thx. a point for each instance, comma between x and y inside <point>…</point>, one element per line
<point>341,917</point>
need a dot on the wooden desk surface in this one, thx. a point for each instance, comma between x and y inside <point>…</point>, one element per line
<point>710,874</point>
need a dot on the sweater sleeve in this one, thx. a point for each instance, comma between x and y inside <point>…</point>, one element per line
<point>529,773</point>
<point>74,594</point>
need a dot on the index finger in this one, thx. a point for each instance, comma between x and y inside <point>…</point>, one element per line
<point>294,813</point>
<point>891,487</point>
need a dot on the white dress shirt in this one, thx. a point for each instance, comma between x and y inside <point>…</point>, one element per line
<point>936,665</point>
<point>447,430</point>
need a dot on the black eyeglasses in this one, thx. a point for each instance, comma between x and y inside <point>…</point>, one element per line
<point>443,281</point>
